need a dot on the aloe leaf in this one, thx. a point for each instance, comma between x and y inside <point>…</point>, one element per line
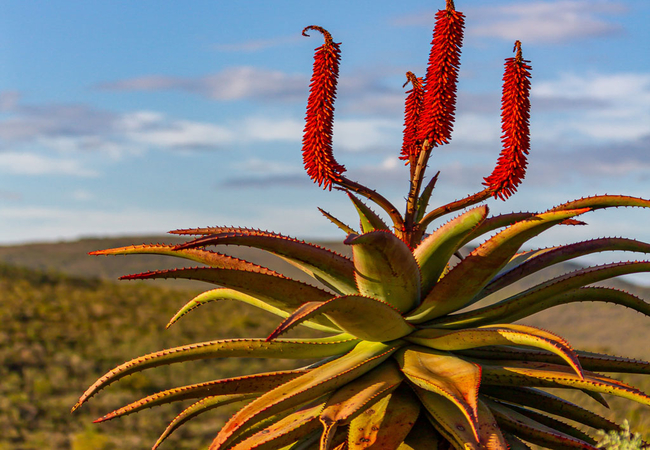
<point>276,290</point>
<point>550,375</point>
<point>204,405</point>
<point>456,289</point>
<point>364,317</point>
<point>214,295</point>
<point>546,258</point>
<point>385,269</point>
<point>332,269</point>
<point>549,403</point>
<point>423,201</point>
<point>227,348</point>
<point>349,401</point>
<point>228,386</point>
<point>503,334</point>
<point>550,422</point>
<point>317,382</point>
<point>285,431</point>
<point>435,251</point>
<point>489,432</point>
<point>533,431</point>
<point>603,201</point>
<point>386,424</point>
<point>368,219</point>
<point>496,222</point>
<point>422,436</point>
<point>558,291</point>
<point>346,228</point>
<point>514,442</point>
<point>448,420</point>
<point>453,378</point>
<point>206,257</point>
<point>597,362</point>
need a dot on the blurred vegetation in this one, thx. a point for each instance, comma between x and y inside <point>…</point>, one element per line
<point>61,331</point>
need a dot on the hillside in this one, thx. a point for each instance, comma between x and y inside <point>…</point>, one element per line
<point>65,322</point>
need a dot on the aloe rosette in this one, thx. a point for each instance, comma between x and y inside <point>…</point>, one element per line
<point>405,363</point>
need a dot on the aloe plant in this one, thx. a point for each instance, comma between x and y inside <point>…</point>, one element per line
<point>404,364</point>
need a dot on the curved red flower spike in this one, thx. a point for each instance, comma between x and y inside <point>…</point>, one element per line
<point>437,119</point>
<point>515,127</point>
<point>412,112</point>
<point>317,155</point>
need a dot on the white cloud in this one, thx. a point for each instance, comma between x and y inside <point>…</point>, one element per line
<point>366,134</point>
<point>34,164</point>
<point>548,21</point>
<point>277,129</point>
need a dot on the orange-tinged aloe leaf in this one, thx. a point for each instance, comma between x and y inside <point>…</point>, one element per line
<point>434,252</point>
<point>588,360</point>
<point>228,386</point>
<point>350,400</point>
<point>368,219</point>
<point>364,317</point>
<point>385,269</point>
<point>448,420</point>
<point>550,375</point>
<point>386,424</point>
<point>502,334</point>
<point>331,268</point>
<point>422,436</point>
<point>603,201</point>
<point>214,295</point>
<point>547,257</point>
<point>346,228</point>
<point>209,258</point>
<point>285,431</point>
<point>515,443</point>
<point>558,291</point>
<point>204,405</point>
<point>549,403</point>
<point>491,437</point>
<point>227,348</point>
<point>317,382</point>
<point>533,431</point>
<point>453,378</point>
<point>496,222</point>
<point>246,432</point>
<point>276,290</point>
<point>467,278</point>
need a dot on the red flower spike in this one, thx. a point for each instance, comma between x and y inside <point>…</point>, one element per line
<point>317,153</point>
<point>412,112</point>
<point>515,116</point>
<point>437,119</point>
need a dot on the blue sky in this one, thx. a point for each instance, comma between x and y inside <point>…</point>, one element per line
<point>140,117</point>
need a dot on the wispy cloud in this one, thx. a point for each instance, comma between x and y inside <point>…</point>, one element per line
<point>541,22</point>
<point>235,83</point>
<point>34,164</point>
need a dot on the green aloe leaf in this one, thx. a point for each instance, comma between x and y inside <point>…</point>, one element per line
<point>603,201</point>
<point>456,289</point>
<point>448,420</point>
<point>204,405</point>
<point>503,334</point>
<point>218,294</point>
<point>453,378</point>
<point>533,431</point>
<point>434,252</point>
<point>490,435</point>
<point>317,382</point>
<point>228,386</point>
<point>549,403</point>
<point>385,269</point>
<point>364,317</point>
<point>368,219</point>
<point>423,201</point>
<point>227,348</point>
<point>558,291</point>
<point>346,228</point>
<point>332,269</point>
<point>276,290</point>
<point>541,259</point>
<point>350,400</point>
<point>386,424</point>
